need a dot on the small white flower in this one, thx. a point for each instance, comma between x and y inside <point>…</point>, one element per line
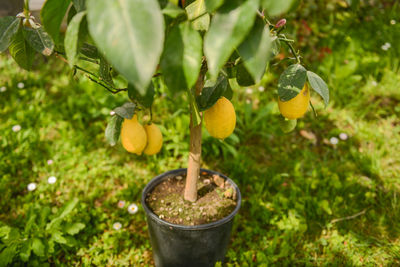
<point>117,226</point>
<point>386,46</point>
<point>49,162</point>
<point>392,22</point>
<point>121,204</point>
<point>112,112</point>
<point>3,89</point>
<point>261,89</point>
<point>334,140</point>
<point>132,208</point>
<point>343,136</point>
<point>249,91</point>
<point>374,83</point>
<point>16,128</point>
<point>52,180</point>
<point>20,85</point>
<point>31,186</point>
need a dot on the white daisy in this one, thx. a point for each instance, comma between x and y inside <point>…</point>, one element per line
<point>20,85</point>
<point>343,136</point>
<point>121,204</point>
<point>117,226</point>
<point>31,186</point>
<point>249,91</point>
<point>334,140</point>
<point>132,208</point>
<point>49,162</point>
<point>3,89</point>
<point>392,22</point>
<point>52,180</point>
<point>16,128</point>
<point>261,89</point>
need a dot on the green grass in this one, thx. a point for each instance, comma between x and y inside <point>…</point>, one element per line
<point>305,202</point>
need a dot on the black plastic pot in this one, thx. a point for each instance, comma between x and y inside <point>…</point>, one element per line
<point>181,245</point>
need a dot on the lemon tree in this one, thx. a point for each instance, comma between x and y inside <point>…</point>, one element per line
<point>195,47</point>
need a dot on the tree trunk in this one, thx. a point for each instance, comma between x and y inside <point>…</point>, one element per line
<point>193,170</point>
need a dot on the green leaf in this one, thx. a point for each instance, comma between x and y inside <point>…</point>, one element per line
<point>38,247</point>
<point>104,71</point>
<point>89,51</point>
<point>113,130</point>
<point>130,33</point>
<point>58,237</point>
<point>210,95</point>
<point>20,50</point>
<point>172,11</point>
<point>291,82</point>
<point>196,13</point>
<point>80,5</point>
<point>194,109</point>
<point>71,38</point>
<point>212,5</point>
<point>255,50</point>
<point>229,27</point>
<point>25,250</point>
<point>52,14</point>
<point>67,209</point>
<point>39,40</point>
<point>146,100</point>
<point>126,111</point>
<point>319,86</point>
<point>4,231</point>
<point>75,228</point>
<point>276,7</point>
<point>8,28</point>
<point>275,46</point>
<point>243,77</point>
<point>181,60</point>
<point>7,255</point>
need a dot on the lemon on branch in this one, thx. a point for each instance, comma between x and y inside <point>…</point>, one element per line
<point>297,106</point>
<point>220,119</point>
<point>154,139</point>
<point>133,136</point>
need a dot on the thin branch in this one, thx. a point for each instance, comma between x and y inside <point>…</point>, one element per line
<point>113,91</point>
<point>349,217</point>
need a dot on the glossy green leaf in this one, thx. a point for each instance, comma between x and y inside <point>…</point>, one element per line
<point>39,40</point>
<point>197,13</point>
<point>291,82</point>
<point>276,7</point>
<point>20,50</point>
<point>210,94</point>
<point>8,28</point>
<point>146,100</point>
<point>52,14</point>
<point>172,10</point>
<point>255,50</point>
<point>228,28</point>
<point>38,247</point>
<point>181,60</point>
<point>243,76</point>
<point>126,111</point>
<point>113,129</point>
<point>319,86</point>
<point>130,34</point>
<point>71,38</point>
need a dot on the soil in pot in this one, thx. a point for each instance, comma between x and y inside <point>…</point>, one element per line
<point>216,200</point>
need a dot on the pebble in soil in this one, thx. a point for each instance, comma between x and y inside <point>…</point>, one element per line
<point>216,200</point>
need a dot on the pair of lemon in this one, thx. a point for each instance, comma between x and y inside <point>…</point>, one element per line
<point>137,138</point>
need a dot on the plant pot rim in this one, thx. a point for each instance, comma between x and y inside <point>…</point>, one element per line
<point>159,178</point>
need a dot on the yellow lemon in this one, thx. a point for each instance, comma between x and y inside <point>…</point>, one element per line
<point>297,106</point>
<point>133,136</point>
<point>154,139</point>
<point>220,119</point>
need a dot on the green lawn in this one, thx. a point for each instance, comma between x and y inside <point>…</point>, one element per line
<point>305,201</point>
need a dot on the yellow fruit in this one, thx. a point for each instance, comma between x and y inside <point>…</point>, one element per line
<point>133,136</point>
<point>154,139</point>
<point>220,119</point>
<point>297,106</point>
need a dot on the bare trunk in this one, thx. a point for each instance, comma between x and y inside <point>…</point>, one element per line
<point>193,170</point>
